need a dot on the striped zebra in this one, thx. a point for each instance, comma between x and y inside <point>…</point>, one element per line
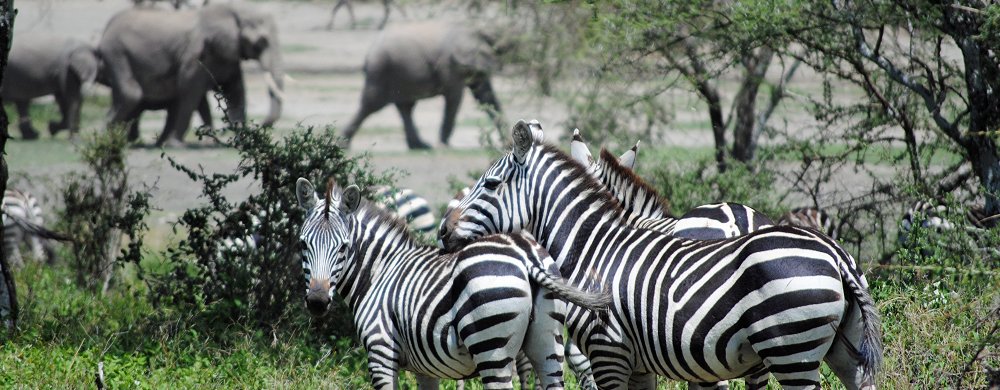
<point>781,299</point>
<point>438,315</point>
<point>810,217</point>
<point>645,208</point>
<point>939,218</point>
<point>409,206</point>
<point>23,222</point>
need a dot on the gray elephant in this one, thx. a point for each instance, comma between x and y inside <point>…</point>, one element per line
<point>171,59</point>
<point>47,65</point>
<point>416,61</point>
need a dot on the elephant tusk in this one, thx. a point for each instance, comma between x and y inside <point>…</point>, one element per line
<point>273,87</point>
<point>289,79</point>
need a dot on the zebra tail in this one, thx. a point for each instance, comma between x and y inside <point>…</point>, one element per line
<point>37,230</point>
<point>870,349</point>
<point>554,282</point>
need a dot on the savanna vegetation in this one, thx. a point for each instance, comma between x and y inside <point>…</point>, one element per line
<point>858,108</point>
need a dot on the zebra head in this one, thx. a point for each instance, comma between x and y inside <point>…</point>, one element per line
<point>324,240</point>
<point>493,204</point>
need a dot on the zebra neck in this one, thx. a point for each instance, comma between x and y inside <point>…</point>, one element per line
<point>379,242</point>
<point>636,197</point>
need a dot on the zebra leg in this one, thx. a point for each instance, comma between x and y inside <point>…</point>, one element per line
<point>841,359</point>
<point>543,342</point>
<point>757,380</point>
<point>11,249</point>
<point>611,362</point>
<point>580,365</point>
<point>382,377</point>
<point>723,385</point>
<point>425,382</point>
<point>644,382</point>
<point>523,371</point>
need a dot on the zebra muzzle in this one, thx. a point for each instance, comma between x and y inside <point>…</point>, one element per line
<point>318,297</point>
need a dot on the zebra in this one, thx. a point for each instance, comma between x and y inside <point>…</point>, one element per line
<point>935,216</point>
<point>781,299</point>
<point>439,315</point>
<point>810,217</point>
<point>24,221</point>
<point>645,208</point>
<point>409,206</point>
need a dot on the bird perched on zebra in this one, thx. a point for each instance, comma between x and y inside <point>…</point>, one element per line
<point>438,315</point>
<point>810,217</point>
<point>781,299</point>
<point>24,222</point>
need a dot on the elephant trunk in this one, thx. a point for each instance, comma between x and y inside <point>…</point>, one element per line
<point>270,60</point>
<point>482,90</point>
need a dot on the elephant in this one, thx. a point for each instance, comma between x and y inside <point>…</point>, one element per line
<point>415,61</point>
<point>170,59</point>
<point>49,65</point>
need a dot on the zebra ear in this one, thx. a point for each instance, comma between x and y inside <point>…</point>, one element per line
<point>628,159</point>
<point>351,199</point>
<point>306,193</point>
<point>579,150</point>
<point>523,140</point>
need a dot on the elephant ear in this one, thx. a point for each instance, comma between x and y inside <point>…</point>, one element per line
<point>79,61</point>
<point>472,52</point>
<point>84,63</point>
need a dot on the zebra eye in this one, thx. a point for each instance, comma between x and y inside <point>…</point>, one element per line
<point>303,245</point>
<point>492,183</point>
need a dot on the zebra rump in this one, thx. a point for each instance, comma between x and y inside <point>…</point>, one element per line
<point>810,217</point>
<point>409,206</point>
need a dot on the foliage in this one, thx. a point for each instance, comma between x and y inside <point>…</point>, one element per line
<point>240,258</point>
<point>690,184</point>
<point>65,331</point>
<point>100,208</point>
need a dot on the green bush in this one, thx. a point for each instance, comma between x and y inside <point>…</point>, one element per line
<point>100,207</point>
<point>214,269</point>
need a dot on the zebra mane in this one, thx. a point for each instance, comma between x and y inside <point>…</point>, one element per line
<point>625,181</point>
<point>385,221</point>
<point>587,182</point>
<point>329,195</point>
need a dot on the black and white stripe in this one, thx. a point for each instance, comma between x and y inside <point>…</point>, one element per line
<point>438,315</point>
<point>644,207</point>
<point>782,299</point>
<point>810,217</point>
<point>24,222</point>
<point>408,206</point>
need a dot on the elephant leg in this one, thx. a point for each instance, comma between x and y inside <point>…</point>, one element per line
<point>371,101</point>
<point>24,119</point>
<point>452,100</point>
<point>412,135</point>
<point>63,104</point>
<point>165,137</point>
<point>69,105</point>
<point>126,99</point>
<point>350,11</point>
<point>235,93</point>
<point>205,113</point>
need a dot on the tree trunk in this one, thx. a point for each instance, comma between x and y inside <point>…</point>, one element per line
<point>8,291</point>
<point>756,65</point>
<point>982,78</point>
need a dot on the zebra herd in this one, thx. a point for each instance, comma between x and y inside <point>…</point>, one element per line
<point>718,294</point>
